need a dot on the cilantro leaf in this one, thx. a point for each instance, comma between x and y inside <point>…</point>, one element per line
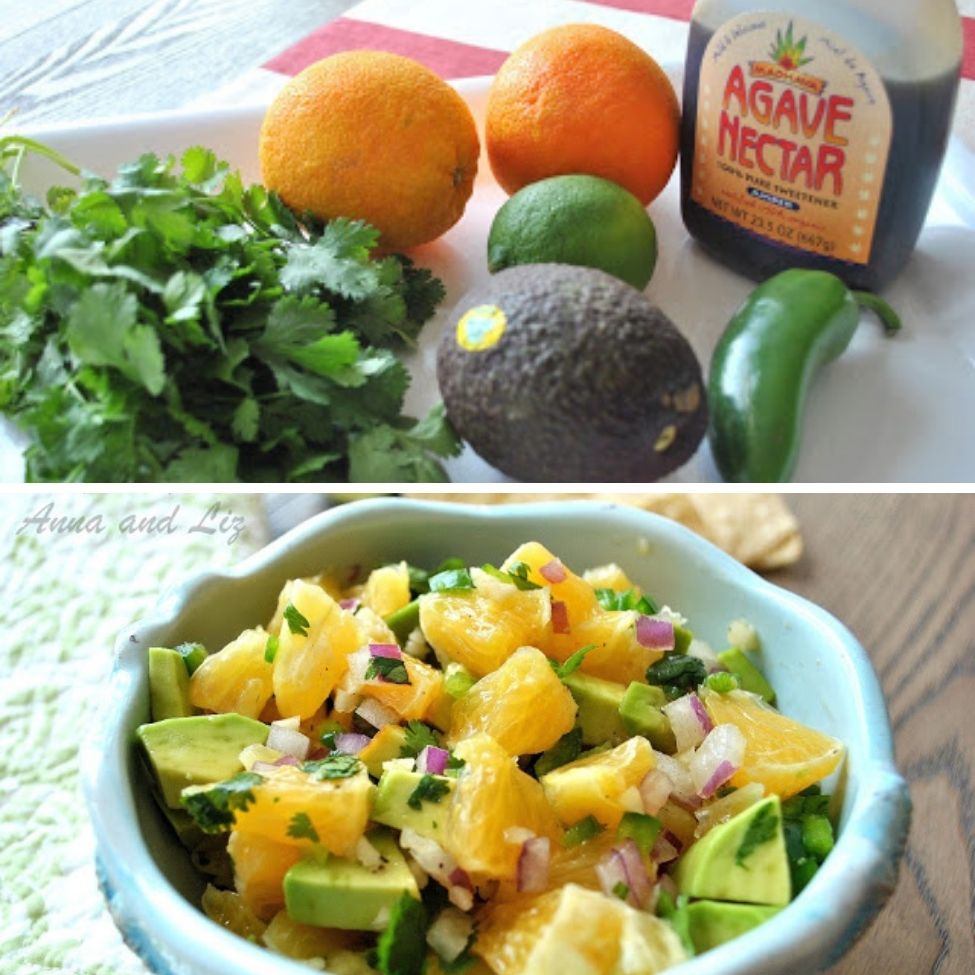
<point>612,600</point>
<point>402,947</point>
<point>335,766</point>
<point>296,622</point>
<point>451,580</point>
<point>418,736</point>
<point>573,662</point>
<point>565,750</point>
<point>392,670</point>
<point>270,648</point>
<point>301,827</point>
<point>516,576</point>
<point>428,789</point>
<point>212,807</point>
<point>677,674</point>
<point>762,828</point>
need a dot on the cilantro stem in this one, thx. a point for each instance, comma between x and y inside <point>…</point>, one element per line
<point>26,144</point>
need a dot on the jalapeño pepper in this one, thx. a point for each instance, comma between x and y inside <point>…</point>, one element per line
<point>764,362</point>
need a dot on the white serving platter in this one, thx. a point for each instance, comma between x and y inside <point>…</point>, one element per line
<point>889,410</point>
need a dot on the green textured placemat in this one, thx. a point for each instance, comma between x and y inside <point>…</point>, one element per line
<point>63,598</point>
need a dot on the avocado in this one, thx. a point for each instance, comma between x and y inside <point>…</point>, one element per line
<point>598,702</point>
<point>560,373</point>
<point>341,893</point>
<point>195,751</point>
<point>404,621</point>
<point>640,713</point>
<point>169,685</point>
<point>743,859</point>
<point>712,923</point>
<point>749,676</point>
<point>392,808</point>
<point>386,744</point>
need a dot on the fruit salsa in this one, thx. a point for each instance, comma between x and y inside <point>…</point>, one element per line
<point>510,769</point>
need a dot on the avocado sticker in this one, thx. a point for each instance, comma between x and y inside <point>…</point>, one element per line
<point>481,327</point>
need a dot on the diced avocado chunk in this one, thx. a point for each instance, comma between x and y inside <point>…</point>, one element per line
<point>342,893</point>
<point>743,859</point>
<point>598,702</point>
<point>750,677</point>
<point>712,923</point>
<point>169,685</point>
<point>640,713</point>
<point>198,750</point>
<point>457,679</point>
<point>404,621</point>
<point>386,745</point>
<point>683,638</point>
<point>392,805</point>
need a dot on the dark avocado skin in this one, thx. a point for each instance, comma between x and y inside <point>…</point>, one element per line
<point>583,384</point>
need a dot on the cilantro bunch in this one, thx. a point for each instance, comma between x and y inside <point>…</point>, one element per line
<point>173,324</point>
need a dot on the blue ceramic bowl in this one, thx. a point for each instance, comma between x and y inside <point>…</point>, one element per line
<point>821,673</point>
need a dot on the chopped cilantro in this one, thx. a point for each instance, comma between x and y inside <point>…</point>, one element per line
<point>454,765</point>
<point>675,913</point>
<point>722,682</point>
<point>761,829</point>
<point>327,738</point>
<point>402,946</point>
<point>270,649</point>
<point>573,662</point>
<point>212,807</point>
<point>301,827</point>
<point>390,669</point>
<point>640,828</point>
<point>615,601</point>
<point>418,736</point>
<point>335,766</point>
<point>193,655</point>
<point>581,831</point>
<point>565,750</point>
<point>296,622</point>
<point>175,324</point>
<point>516,576</point>
<point>451,580</point>
<point>677,674</point>
<point>621,890</point>
<point>428,789</point>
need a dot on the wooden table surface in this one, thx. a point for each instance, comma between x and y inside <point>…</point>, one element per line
<point>899,571</point>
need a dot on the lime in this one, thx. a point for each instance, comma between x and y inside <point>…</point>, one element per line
<point>583,220</point>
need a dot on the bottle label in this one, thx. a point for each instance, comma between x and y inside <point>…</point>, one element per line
<point>792,136</point>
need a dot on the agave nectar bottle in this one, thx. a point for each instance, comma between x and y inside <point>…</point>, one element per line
<point>814,138</point>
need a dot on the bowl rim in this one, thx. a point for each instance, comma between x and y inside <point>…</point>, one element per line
<point>813,930</point>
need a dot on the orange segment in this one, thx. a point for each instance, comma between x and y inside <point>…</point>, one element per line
<point>387,589</point>
<point>522,705</point>
<point>780,753</point>
<point>598,785</point>
<point>236,678</point>
<point>411,700</point>
<point>482,627</point>
<point>229,911</point>
<point>493,795</point>
<point>259,868</point>
<point>609,576</point>
<point>309,664</point>
<point>337,809</point>
<point>576,594</point>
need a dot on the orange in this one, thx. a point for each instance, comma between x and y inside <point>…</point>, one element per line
<point>574,929</point>
<point>411,700</point>
<point>376,137</point>
<point>780,753</point>
<point>577,596</point>
<point>236,678</point>
<point>259,868</point>
<point>492,796</point>
<point>580,98</point>
<point>522,705</point>
<point>387,589</point>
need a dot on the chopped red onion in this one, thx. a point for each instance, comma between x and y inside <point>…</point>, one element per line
<point>390,650</point>
<point>376,714</point>
<point>283,738</point>
<point>286,760</point>
<point>677,772</point>
<point>461,897</point>
<point>345,701</point>
<point>689,723</point>
<point>611,871</point>
<point>432,760</point>
<point>654,634</point>
<point>533,864</point>
<point>459,878</point>
<point>368,855</point>
<point>350,604</point>
<point>664,850</point>
<point>655,790</point>
<point>560,617</point>
<point>638,879</point>
<point>351,744</point>
<point>450,933</point>
<point>716,759</point>
<point>553,571</point>
<point>667,883</point>
<point>264,768</point>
